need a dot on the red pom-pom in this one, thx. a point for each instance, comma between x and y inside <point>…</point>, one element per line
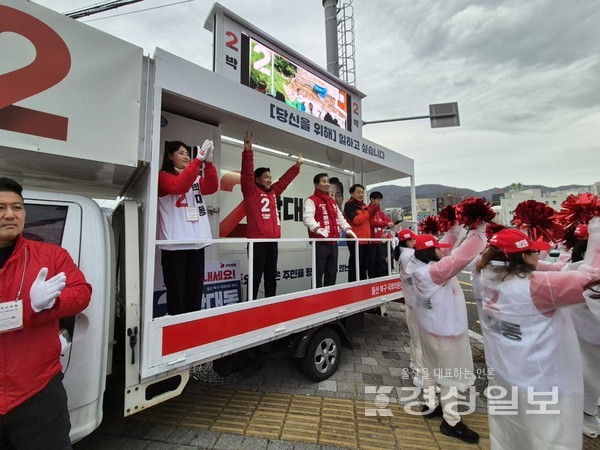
<point>429,225</point>
<point>577,209</point>
<point>474,210</point>
<point>538,218</point>
<point>447,217</point>
<point>493,228</point>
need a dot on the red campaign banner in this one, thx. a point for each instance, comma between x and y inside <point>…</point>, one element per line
<point>230,226</point>
<point>37,123</point>
<point>183,336</point>
<point>51,65</point>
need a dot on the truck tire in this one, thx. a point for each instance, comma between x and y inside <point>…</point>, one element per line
<point>322,354</point>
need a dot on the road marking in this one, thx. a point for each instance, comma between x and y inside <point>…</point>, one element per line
<point>476,336</point>
<point>465,283</point>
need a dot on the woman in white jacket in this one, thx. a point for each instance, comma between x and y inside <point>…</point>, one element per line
<point>443,325</point>
<point>406,246</point>
<point>587,327</point>
<point>531,346</point>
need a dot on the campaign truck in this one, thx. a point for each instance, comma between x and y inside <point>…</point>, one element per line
<point>83,121</point>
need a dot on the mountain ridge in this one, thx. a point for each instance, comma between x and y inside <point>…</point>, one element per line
<point>399,196</point>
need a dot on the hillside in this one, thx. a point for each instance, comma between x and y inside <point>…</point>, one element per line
<point>399,196</point>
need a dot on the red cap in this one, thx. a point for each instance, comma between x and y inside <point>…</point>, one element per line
<point>425,241</point>
<point>581,231</point>
<point>405,235</point>
<point>511,240</point>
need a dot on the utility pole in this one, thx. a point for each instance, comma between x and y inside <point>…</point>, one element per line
<point>331,36</point>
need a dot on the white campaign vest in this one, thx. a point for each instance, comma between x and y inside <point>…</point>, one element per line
<point>524,346</point>
<point>407,282</point>
<point>441,308</point>
<point>586,324</point>
<point>442,317</point>
<point>173,219</point>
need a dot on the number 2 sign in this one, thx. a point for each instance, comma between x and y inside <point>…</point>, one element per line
<point>50,66</point>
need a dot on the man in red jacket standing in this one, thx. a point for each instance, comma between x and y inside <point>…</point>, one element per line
<point>260,199</point>
<point>380,222</point>
<point>357,215</point>
<point>39,284</point>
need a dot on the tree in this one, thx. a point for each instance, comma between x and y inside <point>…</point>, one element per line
<point>516,187</point>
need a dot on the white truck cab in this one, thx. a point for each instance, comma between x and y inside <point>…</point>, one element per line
<point>77,224</point>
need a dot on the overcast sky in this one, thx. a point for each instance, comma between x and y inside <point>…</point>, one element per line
<point>525,74</point>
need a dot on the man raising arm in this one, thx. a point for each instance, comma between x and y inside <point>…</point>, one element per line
<point>260,199</point>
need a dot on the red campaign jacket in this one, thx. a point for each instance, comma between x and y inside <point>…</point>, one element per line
<point>30,357</point>
<point>261,206</point>
<point>173,184</point>
<point>378,221</point>
<point>357,215</point>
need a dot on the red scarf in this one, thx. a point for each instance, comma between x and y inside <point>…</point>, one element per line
<point>329,203</point>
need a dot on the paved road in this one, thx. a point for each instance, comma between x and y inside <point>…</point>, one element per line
<point>467,286</point>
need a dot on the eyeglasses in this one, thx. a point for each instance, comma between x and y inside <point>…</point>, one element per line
<point>531,252</point>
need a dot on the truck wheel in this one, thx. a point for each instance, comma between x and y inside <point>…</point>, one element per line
<point>322,355</point>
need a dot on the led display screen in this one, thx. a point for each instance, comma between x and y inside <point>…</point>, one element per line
<point>269,72</point>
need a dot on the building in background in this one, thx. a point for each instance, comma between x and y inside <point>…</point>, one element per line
<point>553,199</point>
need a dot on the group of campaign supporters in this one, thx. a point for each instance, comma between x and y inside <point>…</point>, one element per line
<point>540,328</point>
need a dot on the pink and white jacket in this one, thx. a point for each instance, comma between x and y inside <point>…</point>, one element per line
<point>408,290</point>
<point>531,339</point>
<point>439,297</point>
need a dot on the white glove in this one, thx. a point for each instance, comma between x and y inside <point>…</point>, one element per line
<point>203,151</point>
<point>209,154</point>
<point>350,233</point>
<point>594,226</point>
<point>323,232</point>
<point>454,236</point>
<point>591,299</point>
<point>43,292</point>
<point>592,252</point>
<point>582,267</point>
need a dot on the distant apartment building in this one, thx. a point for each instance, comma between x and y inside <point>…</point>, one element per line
<point>554,199</point>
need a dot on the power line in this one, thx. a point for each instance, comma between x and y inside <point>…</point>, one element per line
<point>98,8</point>
<point>137,11</point>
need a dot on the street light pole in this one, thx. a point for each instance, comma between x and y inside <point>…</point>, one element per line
<point>398,119</point>
<point>441,115</point>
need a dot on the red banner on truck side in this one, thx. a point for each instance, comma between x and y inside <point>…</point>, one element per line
<point>183,336</point>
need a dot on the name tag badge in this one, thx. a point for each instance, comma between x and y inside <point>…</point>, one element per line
<point>11,316</point>
<point>191,214</point>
